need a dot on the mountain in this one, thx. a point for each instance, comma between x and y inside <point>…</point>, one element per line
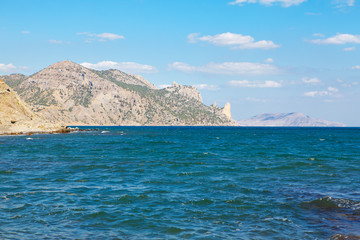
<point>13,80</point>
<point>287,120</point>
<point>71,93</point>
<point>16,117</point>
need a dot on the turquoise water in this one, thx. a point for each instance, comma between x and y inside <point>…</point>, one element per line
<point>181,183</point>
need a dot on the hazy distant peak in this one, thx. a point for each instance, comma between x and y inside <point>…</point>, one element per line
<point>295,119</point>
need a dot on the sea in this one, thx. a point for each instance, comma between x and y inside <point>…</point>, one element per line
<point>181,183</point>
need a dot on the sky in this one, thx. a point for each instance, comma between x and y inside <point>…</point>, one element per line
<point>262,56</point>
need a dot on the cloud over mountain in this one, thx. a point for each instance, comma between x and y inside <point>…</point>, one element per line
<point>255,84</point>
<point>227,68</point>
<point>130,67</point>
<point>331,91</point>
<point>233,40</point>
<point>11,67</point>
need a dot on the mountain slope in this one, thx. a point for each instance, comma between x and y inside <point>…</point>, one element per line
<point>16,116</point>
<point>76,95</point>
<point>13,80</point>
<point>287,119</point>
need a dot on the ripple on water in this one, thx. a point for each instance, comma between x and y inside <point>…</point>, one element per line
<point>181,183</point>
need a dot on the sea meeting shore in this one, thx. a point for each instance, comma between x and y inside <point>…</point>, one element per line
<point>17,118</point>
<point>10,131</point>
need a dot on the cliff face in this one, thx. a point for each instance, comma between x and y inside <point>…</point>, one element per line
<point>186,91</point>
<point>288,120</point>
<point>76,95</point>
<point>16,116</point>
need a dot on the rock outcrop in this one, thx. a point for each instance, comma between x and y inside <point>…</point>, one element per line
<point>288,120</point>
<point>16,117</point>
<point>227,110</point>
<point>186,91</point>
<point>71,93</point>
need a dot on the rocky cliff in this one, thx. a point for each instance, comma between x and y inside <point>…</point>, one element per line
<point>68,92</point>
<point>17,117</point>
<point>288,120</point>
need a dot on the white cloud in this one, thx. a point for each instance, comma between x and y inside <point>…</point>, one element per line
<point>352,84</point>
<point>130,67</point>
<point>284,3</point>
<point>102,37</point>
<point>344,3</point>
<point>193,37</point>
<point>319,35</point>
<point>255,84</point>
<point>227,68</point>
<point>310,80</point>
<point>251,99</point>
<point>109,36</point>
<point>269,60</point>
<point>206,87</point>
<point>59,42</point>
<point>7,67</point>
<point>164,86</point>
<point>339,39</point>
<point>236,41</point>
<point>349,49</point>
<point>351,3</point>
<point>25,32</point>
<point>313,14</point>
<point>331,91</point>
<point>357,67</point>
<point>11,67</point>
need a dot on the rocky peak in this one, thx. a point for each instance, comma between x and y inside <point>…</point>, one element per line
<point>65,64</point>
<point>227,110</point>
<point>187,91</point>
<point>127,78</point>
<point>143,80</point>
<point>60,74</point>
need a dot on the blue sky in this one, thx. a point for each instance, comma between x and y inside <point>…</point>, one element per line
<point>262,56</point>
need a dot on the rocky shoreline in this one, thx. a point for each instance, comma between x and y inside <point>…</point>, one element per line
<point>56,131</point>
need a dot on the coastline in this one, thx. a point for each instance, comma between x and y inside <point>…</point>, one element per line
<point>29,133</point>
<point>63,130</point>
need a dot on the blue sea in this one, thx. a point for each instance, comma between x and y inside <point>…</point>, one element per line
<point>181,183</point>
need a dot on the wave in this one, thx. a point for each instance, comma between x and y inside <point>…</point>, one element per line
<point>333,203</point>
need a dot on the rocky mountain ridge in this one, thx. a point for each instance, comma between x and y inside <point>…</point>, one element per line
<point>287,120</point>
<point>16,117</point>
<point>71,93</point>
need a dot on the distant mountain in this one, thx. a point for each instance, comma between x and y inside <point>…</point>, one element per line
<point>13,80</point>
<point>17,117</point>
<point>71,93</point>
<point>287,120</point>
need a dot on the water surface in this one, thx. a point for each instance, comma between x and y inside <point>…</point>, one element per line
<point>181,182</point>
